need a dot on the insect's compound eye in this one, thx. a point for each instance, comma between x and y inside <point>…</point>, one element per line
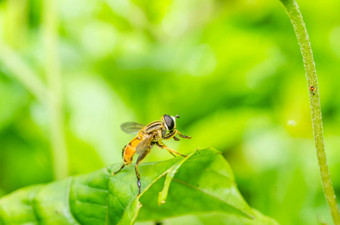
<point>170,123</point>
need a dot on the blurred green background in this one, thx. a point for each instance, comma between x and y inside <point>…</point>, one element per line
<point>72,72</point>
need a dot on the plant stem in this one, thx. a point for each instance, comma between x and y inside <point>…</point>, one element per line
<point>52,70</point>
<point>296,19</point>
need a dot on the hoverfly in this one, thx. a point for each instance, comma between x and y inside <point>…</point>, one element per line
<point>148,136</point>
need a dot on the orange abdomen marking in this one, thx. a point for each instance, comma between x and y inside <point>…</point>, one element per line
<point>130,150</point>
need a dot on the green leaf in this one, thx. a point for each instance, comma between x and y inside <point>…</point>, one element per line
<point>199,184</point>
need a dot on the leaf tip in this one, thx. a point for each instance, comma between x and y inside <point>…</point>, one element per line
<point>162,196</point>
<point>161,202</point>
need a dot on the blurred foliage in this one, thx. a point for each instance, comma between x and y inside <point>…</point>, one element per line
<point>231,69</point>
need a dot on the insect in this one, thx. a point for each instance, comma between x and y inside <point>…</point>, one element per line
<point>148,136</point>
<point>312,89</point>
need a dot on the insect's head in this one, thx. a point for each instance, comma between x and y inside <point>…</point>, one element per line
<point>169,122</point>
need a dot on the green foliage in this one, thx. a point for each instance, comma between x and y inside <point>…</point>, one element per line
<point>231,69</point>
<point>200,184</point>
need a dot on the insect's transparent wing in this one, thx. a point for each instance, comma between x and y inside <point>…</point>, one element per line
<point>144,144</point>
<point>131,127</point>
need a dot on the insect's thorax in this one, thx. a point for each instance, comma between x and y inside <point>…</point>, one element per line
<point>156,127</point>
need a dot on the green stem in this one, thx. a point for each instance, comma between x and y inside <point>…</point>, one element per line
<point>296,19</point>
<point>52,70</point>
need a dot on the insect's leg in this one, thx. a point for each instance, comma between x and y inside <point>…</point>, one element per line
<point>176,138</point>
<point>127,160</point>
<point>140,158</point>
<point>183,136</point>
<point>169,135</point>
<point>161,145</point>
<point>114,173</point>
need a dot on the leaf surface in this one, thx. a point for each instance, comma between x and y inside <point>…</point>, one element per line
<point>200,184</point>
